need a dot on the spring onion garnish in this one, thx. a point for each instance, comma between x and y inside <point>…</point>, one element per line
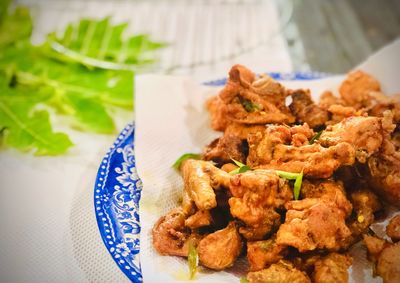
<point>184,157</point>
<point>242,167</point>
<point>250,106</point>
<point>193,260</point>
<point>315,137</point>
<point>243,280</point>
<point>298,177</point>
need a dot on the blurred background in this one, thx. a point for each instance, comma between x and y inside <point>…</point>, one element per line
<point>205,37</point>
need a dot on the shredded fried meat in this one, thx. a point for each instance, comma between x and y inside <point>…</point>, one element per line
<point>291,188</point>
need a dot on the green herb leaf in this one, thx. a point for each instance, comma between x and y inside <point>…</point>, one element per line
<point>98,43</point>
<point>75,88</point>
<point>193,260</point>
<point>250,106</point>
<point>27,130</point>
<point>315,137</point>
<point>15,26</point>
<point>287,175</point>
<point>244,280</point>
<point>297,186</point>
<point>177,164</point>
<point>242,167</point>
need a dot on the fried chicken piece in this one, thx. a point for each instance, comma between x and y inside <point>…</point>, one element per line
<point>332,268</point>
<point>257,232</point>
<point>201,178</point>
<point>217,110</point>
<point>362,91</point>
<point>170,236</point>
<point>251,100</point>
<point>385,176</point>
<point>327,99</point>
<point>282,272</point>
<point>306,111</point>
<point>365,204</point>
<point>384,166</point>
<point>355,89</point>
<point>226,148</point>
<point>200,219</point>
<point>365,134</point>
<point>272,150</point>
<point>261,254</point>
<point>220,249</point>
<point>393,228</point>
<point>386,256</point>
<point>255,194</point>
<point>232,145</point>
<point>318,222</point>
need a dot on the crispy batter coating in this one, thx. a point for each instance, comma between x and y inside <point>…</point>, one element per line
<point>306,111</point>
<point>355,88</point>
<point>232,145</point>
<point>217,110</point>
<point>251,100</point>
<point>282,272</point>
<point>393,228</point>
<point>386,256</point>
<point>362,91</point>
<point>318,222</point>
<point>200,219</point>
<point>365,204</point>
<point>255,195</point>
<point>262,254</point>
<point>365,134</point>
<point>332,268</point>
<point>220,249</point>
<point>328,99</point>
<point>201,178</point>
<point>272,150</point>
<point>170,237</point>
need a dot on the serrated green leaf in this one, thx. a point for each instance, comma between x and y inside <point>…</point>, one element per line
<point>14,26</point>
<point>26,131</point>
<point>99,43</point>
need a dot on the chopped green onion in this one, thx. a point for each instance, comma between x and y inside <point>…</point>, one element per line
<point>298,177</point>
<point>193,260</point>
<point>250,106</point>
<point>287,175</point>
<point>244,280</point>
<point>242,167</point>
<point>315,137</point>
<point>184,157</point>
<point>297,186</point>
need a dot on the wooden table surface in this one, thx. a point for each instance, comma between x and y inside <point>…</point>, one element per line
<point>334,36</point>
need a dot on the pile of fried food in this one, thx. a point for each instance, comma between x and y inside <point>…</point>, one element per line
<point>348,150</point>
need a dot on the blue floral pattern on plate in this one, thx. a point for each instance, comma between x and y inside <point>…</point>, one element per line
<point>118,188</point>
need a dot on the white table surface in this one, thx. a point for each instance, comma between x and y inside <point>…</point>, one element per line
<point>48,228</point>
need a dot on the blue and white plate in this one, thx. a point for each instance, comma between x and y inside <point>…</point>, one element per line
<point>117,194</point>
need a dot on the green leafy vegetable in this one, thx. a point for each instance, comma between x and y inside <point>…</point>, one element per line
<point>250,106</point>
<point>244,280</point>
<point>101,44</point>
<point>315,137</point>
<point>193,260</point>
<point>177,164</point>
<point>242,167</point>
<point>33,77</point>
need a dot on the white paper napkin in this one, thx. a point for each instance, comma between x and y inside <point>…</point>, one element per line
<point>171,120</point>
